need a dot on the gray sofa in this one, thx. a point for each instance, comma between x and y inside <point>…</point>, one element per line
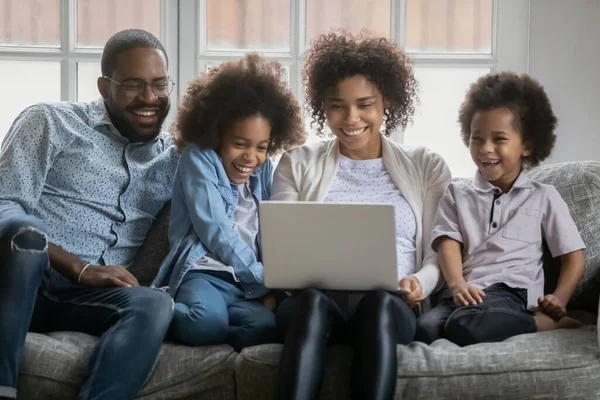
<point>551,365</point>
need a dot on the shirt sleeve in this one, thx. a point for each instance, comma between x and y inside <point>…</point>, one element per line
<point>438,177</point>
<point>199,185</point>
<point>558,227</point>
<point>28,151</point>
<point>446,221</point>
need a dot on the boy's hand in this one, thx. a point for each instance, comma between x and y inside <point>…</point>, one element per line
<point>269,301</point>
<point>467,295</point>
<point>415,295</point>
<point>552,306</point>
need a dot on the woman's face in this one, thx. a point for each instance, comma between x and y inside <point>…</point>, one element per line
<point>354,110</point>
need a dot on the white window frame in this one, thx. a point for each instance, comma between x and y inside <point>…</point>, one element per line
<point>182,31</point>
<point>68,54</point>
<point>510,43</point>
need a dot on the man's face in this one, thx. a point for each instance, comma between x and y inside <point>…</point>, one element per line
<point>137,115</point>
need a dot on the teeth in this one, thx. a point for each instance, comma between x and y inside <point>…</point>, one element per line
<point>242,169</point>
<point>145,113</point>
<point>354,132</point>
<point>490,163</point>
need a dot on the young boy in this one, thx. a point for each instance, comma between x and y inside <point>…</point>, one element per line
<point>488,233</point>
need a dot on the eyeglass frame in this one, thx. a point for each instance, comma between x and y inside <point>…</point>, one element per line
<point>120,84</point>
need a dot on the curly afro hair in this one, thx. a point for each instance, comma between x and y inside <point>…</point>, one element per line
<point>338,55</point>
<point>525,98</point>
<point>238,89</point>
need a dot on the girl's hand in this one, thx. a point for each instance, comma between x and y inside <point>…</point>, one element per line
<point>269,301</point>
<point>467,295</point>
<point>415,290</point>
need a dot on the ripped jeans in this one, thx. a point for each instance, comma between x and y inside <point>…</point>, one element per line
<point>130,322</point>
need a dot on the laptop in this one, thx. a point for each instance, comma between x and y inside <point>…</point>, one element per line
<point>336,246</point>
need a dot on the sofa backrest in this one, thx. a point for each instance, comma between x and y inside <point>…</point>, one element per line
<point>579,185</point>
<point>154,249</point>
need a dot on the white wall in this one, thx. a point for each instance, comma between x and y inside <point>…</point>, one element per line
<point>564,56</point>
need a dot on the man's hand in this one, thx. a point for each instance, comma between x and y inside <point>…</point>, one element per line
<point>107,276</point>
<point>467,295</point>
<point>415,295</point>
<point>552,306</point>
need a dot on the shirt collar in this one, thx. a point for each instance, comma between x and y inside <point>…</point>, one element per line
<point>482,185</point>
<point>98,114</point>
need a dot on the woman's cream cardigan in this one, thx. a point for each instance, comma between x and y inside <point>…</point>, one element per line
<point>307,172</point>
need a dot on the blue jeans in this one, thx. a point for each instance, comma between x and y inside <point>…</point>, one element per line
<point>131,322</point>
<point>212,309</point>
<point>502,314</point>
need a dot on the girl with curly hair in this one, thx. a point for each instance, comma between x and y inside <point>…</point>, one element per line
<point>363,88</point>
<point>230,120</point>
<point>489,232</point>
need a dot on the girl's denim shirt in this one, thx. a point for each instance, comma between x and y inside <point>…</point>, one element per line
<point>201,221</point>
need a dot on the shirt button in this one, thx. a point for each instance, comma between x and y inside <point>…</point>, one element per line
<point>497,191</point>
<point>497,202</point>
<point>494,225</point>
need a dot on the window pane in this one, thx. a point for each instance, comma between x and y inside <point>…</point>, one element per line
<point>286,70</point>
<point>98,20</point>
<point>28,82</point>
<point>449,26</point>
<point>87,77</point>
<point>30,22</point>
<point>262,25</point>
<point>351,15</point>
<point>442,91</point>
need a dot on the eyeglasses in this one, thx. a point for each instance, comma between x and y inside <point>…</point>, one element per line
<point>135,87</point>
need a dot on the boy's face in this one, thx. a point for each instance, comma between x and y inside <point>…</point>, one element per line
<point>244,147</point>
<point>497,147</point>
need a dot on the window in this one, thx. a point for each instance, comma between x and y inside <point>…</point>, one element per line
<point>50,50</point>
<point>451,42</point>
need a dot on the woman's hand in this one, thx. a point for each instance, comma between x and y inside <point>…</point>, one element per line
<point>415,290</point>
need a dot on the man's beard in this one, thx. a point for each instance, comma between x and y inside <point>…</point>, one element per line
<point>126,129</point>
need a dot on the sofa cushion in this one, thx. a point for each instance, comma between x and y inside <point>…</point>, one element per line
<point>579,185</point>
<point>555,364</point>
<point>54,364</point>
<point>154,249</point>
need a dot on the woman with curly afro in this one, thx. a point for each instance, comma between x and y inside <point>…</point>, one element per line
<point>363,88</point>
<point>230,120</point>
<point>489,232</point>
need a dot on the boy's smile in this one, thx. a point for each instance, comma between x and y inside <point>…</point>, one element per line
<point>497,147</point>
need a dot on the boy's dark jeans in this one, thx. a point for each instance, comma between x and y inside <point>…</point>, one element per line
<point>502,314</point>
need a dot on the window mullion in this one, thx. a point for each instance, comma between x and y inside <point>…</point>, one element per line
<point>68,72</point>
<point>192,29</point>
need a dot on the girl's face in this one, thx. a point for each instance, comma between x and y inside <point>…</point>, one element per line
<point>497,147</point>
<point>354,111</point>
<point>244,147</point>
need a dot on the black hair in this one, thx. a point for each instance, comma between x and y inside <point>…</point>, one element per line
<point>126,40</point>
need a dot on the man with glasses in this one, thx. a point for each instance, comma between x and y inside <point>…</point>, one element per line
<point>80,185</point>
